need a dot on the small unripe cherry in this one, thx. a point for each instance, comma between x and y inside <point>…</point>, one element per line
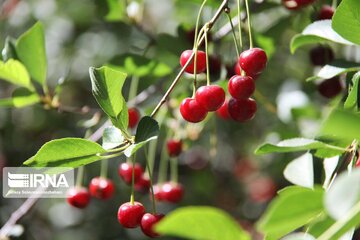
<point>242,110</point>
<point>126,169</point>
<point>253,61</point>
<point>78,197</point>
<point>241,87</point>
<point>148,222</point>
<point>129,215</point>
<point>210,97</point>
<point>200,61</point>
<point>329,88</point>
<point>223,112</point>
<point>134,117</point>
<point>101,188</point>
<point>174,147</point>
<point>192,111</point>
<point>326,12</point>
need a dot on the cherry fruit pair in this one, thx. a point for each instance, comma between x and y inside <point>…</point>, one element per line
<point>132,215</point>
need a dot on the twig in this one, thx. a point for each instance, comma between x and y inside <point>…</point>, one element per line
<point>223,5</point>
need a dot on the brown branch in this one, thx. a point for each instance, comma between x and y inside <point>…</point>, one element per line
<point>210,24</point>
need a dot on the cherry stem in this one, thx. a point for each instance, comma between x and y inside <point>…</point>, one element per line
<point>249,22</point>
<point>268,105</point>
<point>133,180</point>
<point>334,3</point>
<point>103,168</point>
<point>233,32</point>
<point>181,72</point>
<point>133,87</point>
<point>239,23</point>
<point>196,46</point>
<point>207,56</point>
<point>149,169</point>
<point>163,162</point>
<point>174,170</point>
<point>80,176</point>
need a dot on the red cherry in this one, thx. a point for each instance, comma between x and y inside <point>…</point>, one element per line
<point>321,56</point>
<point>158,194</point>
<point>210,97</point>
<point>223,112</point>
<point>296,4</point>
<point>129,215</point>
<point>101,188</point>
<point>192,111</point>
<point>242,110</point>
<point>200,61</point>
<point>172,192</point>
<point>174,147</point>
<point>134,117</point>
<point>326,12</point>
<point>241,87</point>
<point>147,224</point>
<point>330,88</point>
<point>143,184</point>
<point>253,61</point>
<point>237,68</point>
<point>357,163</point>
<point>262,189</point>
<point>78,197</point>
<point>126,169</point>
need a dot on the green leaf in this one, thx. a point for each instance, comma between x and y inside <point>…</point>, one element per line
<point>66,152</point>
<point>107,84</point>
<point>342,125</point>
<point>117,10</point>
<point>352,98</point>
<point>300,171</point>
<point>293,208</point>
<point>295,145</point>
<point>320,225</point>
<point>346,21</point>
<point>6,102</point>
<point>146,131</point>
<point>14,72</point>
<point>317,32</point>
<point>112,137</point>
<point>9,50</point>
<point>335,68</point>
<point>23,97</point>
<point>199,223</point>
<point>30,48</point>
<point>139,66</point>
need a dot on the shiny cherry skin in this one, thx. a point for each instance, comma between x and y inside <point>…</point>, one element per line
<point>321,56</point>
<point>200,61</point>
<point>143,184</point>
<point>241,87</point>
<point>129,215</point>
<point>253,61</point>
<point>101,188</point>
<point>357,163</point>
<point>147,224</point>
<point>78,197</point>
<point>126,169</point>
<point>223,112</point>
<point>242,110</point>
<point>330,88</point>
<point>237,69</point>
<point>134,117</point>
<point>326,12</point>
<point>158,194</point>
<point>174,147</point>
<point>210,97</point>
<point>192,111</point>
<point>172,192</point>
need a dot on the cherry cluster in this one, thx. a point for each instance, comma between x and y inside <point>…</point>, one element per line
<point>241,107</point>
